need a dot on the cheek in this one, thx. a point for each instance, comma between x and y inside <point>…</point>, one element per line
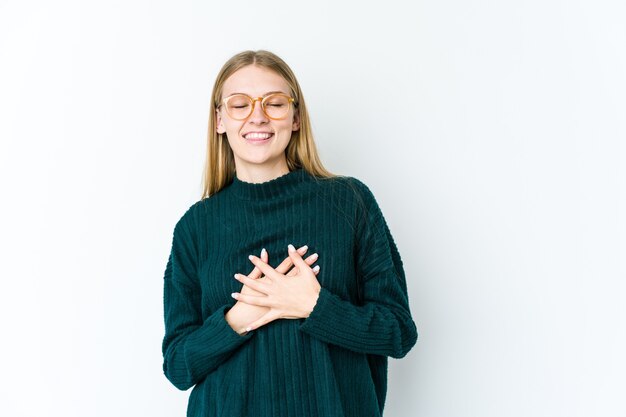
<point>285,126</point>
<point>233,129</point>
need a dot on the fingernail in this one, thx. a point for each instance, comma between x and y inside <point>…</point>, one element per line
<point>263,252</point>
<point>251,257</point>
<point>304,248</point>
<point>234,295</point>
<point>291,248</point>
<point>316,268</point>
<point>314,255</point>
<point>236,276</point>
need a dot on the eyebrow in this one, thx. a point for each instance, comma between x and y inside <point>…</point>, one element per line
<point>266,94</point>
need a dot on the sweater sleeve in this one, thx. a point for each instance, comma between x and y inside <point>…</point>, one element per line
<point>383,324</point>
<point>192,346</point>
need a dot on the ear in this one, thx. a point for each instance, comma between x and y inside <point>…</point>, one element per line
<point>296,122</point>
<point>219,125</point>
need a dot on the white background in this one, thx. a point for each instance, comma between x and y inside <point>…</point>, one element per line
<point>491,132</point>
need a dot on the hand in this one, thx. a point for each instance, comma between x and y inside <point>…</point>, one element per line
<point>241,313</point>
<point>284,266</point>
<point>286,296</point>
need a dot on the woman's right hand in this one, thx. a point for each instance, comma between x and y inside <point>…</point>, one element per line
<point>241,314</point>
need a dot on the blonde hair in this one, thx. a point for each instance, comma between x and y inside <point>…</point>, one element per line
<point>301,152</point>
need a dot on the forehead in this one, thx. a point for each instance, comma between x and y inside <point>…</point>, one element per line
<point>254,81</point>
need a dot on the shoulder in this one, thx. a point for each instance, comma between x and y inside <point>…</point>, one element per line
<point>362,189</point>
<point>202,208</point>
<point>358,191</point>
<point>352,195</point>
<point>188,220</point>
<point>351,187</point>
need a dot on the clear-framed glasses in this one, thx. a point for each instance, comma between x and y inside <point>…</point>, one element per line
<point>275,106</point>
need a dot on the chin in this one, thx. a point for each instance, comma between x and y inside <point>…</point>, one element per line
<point>259,160</point>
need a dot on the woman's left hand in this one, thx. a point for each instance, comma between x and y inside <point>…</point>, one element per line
<point>288,297</point>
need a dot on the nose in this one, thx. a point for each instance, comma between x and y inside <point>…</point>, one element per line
<point>258,115</point>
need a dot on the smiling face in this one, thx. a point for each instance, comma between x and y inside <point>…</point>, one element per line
<point>252,148</point>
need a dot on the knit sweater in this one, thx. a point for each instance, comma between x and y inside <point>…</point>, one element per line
<point>332,363</point>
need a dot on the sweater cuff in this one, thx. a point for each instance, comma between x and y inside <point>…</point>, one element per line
<point>329,318</point>
<point>213,339</point>
<point>223,327</point>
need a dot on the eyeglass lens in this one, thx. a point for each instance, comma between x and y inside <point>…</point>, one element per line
<point>275,106</point>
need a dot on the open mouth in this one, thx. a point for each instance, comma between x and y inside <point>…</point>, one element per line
<point>258,137</point>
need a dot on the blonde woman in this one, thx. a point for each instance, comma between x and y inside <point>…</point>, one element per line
<point>289,332</point>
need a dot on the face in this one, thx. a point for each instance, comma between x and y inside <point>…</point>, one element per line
<point>248,149</point>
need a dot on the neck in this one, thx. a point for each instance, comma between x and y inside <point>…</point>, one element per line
<point>291,183</point>
<point>256,174</point>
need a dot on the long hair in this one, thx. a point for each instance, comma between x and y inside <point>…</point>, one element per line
<point>301,152</point>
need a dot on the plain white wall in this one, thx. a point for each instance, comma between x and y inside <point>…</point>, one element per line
<point>492,134</point>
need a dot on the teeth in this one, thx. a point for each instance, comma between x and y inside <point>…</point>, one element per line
<point>258,135</point>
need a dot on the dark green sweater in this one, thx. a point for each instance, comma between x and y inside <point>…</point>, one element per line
<point>333,363</point>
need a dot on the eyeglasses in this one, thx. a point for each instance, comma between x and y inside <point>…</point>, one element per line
<point>275,106</point>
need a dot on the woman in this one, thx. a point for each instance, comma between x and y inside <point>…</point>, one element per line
<point>289,340</point>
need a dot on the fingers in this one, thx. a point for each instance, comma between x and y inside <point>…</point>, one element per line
<point>255,300</point>
<point>282,268</point>
<point>296,258</point>
<point>310,260</point>
<point>269,272</point>
<point>255,284</point>
<point>268,317</point>
<point>287,263</point>
<point>256,272</point>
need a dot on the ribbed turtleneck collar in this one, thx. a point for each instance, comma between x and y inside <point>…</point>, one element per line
<point>280,186</point>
